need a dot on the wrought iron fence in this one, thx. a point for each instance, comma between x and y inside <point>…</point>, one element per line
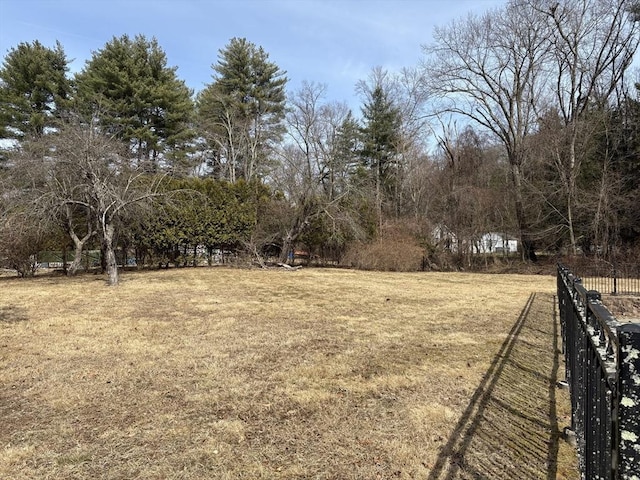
<point>603,373</point>
<point>614,277</point>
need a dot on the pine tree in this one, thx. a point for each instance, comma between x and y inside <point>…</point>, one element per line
<point>136,96</point>
<point>34,89</point>
<point>241,112</point>
<point>380,137</point>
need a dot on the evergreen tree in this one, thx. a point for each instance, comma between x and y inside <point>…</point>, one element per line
<point>199,212</point>
<point>380,138</point>
<point>346,150</point>
<point>241,112</point>
<point>33,90</point>
<point>136,96</point>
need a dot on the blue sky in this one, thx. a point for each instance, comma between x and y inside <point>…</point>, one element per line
<point>334,42</point>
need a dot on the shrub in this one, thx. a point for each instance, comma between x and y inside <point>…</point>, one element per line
<point>396,250</point>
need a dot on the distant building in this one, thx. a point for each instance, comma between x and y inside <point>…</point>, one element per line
<point>445,238</point>
<point>493,242</point>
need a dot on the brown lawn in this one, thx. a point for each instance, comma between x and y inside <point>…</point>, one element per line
<point>267,374</point>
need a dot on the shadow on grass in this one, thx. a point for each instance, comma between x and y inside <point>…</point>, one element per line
<point>510,427</point>
<point>12,315</point>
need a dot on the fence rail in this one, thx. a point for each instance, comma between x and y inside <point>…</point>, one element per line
<point>603,373</point>
<point>616,278</point>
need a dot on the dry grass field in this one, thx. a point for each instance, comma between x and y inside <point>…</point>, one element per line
<point>267,374</point>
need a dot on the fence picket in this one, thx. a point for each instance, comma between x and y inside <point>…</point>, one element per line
<point>603,374</point>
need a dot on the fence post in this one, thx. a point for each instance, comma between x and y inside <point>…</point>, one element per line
<point>629,402</point>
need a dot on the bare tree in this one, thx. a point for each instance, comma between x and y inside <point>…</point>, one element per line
<point>89,180</point>
<point>489,70</point>
<point>22,232</point>
<point>241,111</point>
<point>58,196</point>
<point>21,238</point>
<point>313,173</point>
<point>229,137</point>
<point>468,190</point>
<point>592,44</point>
<point>302,162</point>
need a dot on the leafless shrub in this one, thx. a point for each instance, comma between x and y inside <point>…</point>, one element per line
<point>396,250</point>
<point>21,241</point>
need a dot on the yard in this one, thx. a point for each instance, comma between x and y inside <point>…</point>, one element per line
<point>267,374</point>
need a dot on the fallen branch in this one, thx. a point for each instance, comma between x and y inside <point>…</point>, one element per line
<point>289,267</point>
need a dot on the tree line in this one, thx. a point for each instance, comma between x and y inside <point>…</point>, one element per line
<point>522,121</point>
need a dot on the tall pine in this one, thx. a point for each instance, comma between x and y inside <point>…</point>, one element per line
<point>380,139</point>
<point>129,87</point>
<point>34,89</point>
<point>241,112</point>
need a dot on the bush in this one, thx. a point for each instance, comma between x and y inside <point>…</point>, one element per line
<point>395,250</point>
<point>20,242</point>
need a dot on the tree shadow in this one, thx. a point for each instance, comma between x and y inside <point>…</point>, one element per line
<point>9,314</point>
<point>510,427</point>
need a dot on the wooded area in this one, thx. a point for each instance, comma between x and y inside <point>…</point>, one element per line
<point>521,124</point>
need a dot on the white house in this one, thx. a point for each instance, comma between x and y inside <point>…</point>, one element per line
<point>445,238</point>
<point>494,242</point>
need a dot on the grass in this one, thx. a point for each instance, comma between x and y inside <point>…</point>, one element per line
<point>261,374</point>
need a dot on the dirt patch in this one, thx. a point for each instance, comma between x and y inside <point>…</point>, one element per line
<point>623,308</point>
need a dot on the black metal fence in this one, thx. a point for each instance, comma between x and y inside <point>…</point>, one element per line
<point>603,373</point>
<point>614,277</point>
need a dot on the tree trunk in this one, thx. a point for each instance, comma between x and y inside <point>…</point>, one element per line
<point>527,247</point>
<point>110,255</point>
<point>287,245</point>
<point>571,189</point>
<point>292,235</point>
<point>77,259</point>
<point>103,257</point>
<point>64,259</point>
<point>378,198</point>
<point>78,249</point>
<point>572,235</point>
